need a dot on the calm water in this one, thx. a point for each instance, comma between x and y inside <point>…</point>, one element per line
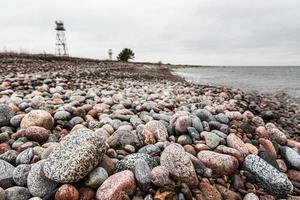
<point>263,79</point>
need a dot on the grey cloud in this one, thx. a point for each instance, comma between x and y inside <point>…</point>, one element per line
<point>213,32</point>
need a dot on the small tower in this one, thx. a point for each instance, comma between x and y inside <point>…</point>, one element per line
<point>61,43</point>
<point>110,54</point>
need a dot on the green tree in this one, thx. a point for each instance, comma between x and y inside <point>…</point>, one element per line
<point>125,55</point>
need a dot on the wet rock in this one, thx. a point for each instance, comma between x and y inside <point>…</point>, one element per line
<point>129,162</point>
<point>212,140</point>
<point>6,175</point>
<point>235,142</point>
<point>178,163</point>
<point>67,192</point>
<point>20,174</point>
<point>78,153</point>
<point>142,174</point>
<point>267,176</point>
<point>17,193</point>
<point>117,186</point>
<point>38,184</point>
<point>6,113</point>
<point>160,176</point>
<point>37,118</point>
<point>96,177</point>
<point>291,157</point>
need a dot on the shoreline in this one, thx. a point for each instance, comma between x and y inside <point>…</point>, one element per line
<point>79,127</point>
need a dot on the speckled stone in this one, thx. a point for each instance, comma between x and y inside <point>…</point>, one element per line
<point>38,184</point>
<point>37,118</point>
<point>235,142</point>
<point>96,177</point>
<point>21,173</point>
<point>158,129</point>
<point>268,177</point>
<point>25,156</point>
<point>179,164</point>
<point>128,163</point>
<point>204,115</point>
<point>250,196</point>
<point>160,176</point>
<point>17,193</point>
<point>78,153</point>
<point>221,164</point>
<point>117,186</point>
<point>9,156</point>
<point>37,134</point>
<point>6,175</point>
<point>6,113</point>
<point>212,140</point>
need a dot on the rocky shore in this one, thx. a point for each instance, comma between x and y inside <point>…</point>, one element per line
<point>85,129</point>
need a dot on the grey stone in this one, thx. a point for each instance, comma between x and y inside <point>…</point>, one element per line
<point>17,193</point>
<point>204,115</point>
<point>2,194</point>
<point>20,174</point>
<point>142,174</point>
<point>15,121</point>
<point>25,156</point>
<point>96,177</point>
<point>6,113</point>
<point>6,175</point>
<point>212,140</point>
<point>62,115</point>
<point>291,157</point>
<point>222,118</point>
<point>268,177</point>
<point>38,184</point>
<point>150,149</point>
<point>184,140</point>
<point>129,161</point>
<point>78,153</point>
<point>196,123</point>
<point>195,135</point>
<point>9,156</point>
<point>4,137</point>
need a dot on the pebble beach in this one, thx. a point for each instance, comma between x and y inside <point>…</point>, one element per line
<point>83,129</point>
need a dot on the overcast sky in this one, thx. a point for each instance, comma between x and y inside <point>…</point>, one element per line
<point>208,32</point>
